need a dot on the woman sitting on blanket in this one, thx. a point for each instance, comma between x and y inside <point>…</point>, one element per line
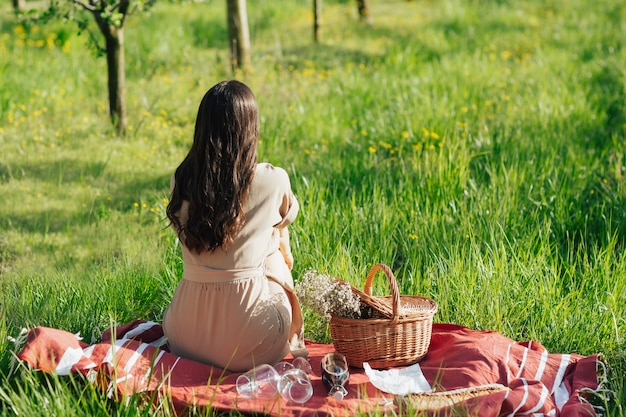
<point>234,307</point>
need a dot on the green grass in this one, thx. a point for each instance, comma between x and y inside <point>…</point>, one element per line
<point>477,147</point>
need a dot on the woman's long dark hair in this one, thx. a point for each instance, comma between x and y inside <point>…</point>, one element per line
<point>216,174</point>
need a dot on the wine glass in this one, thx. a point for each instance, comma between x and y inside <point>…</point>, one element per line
<point>260,381</point>
<point>294,383</point>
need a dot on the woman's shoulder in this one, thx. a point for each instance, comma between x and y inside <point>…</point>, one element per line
<point>268,167</point>
<point>265,170</point>
<point>270,179</point>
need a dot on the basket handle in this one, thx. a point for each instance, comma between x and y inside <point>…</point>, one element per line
<point>395,293</point>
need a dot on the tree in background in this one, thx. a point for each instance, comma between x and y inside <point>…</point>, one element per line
<point>110,16</point>
<point>364,11</point>
<point>238,34</point>
<point>317,19</point>
<point>362,8</point>
<point>19,5</point>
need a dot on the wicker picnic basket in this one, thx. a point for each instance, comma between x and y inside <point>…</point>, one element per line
<point>399,337</point>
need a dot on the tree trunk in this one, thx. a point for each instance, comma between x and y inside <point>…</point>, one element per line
<point>19,5</point>
<point>114,38</point>
<point>317,17</point>
<point>364,11</point>
<point>238,34</point>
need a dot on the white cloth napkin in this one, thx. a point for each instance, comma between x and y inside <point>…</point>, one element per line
<point>398,381</point>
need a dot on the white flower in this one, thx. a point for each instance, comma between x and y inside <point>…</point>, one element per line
<point>327,296</point>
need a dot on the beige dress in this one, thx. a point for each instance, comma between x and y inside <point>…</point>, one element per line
<point>236,309</point>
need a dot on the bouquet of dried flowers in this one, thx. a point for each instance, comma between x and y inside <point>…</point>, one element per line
<point>327,296</point>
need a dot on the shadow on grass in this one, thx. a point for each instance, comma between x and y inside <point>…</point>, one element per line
<point>427,41</point>
<point>82,209</point>
<point>65,170</point>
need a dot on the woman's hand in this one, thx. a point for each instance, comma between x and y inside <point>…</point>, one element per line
<point>285,247</point>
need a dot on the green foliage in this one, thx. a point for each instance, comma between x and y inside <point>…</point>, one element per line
<point>89,17</point>
<point>477,147</point>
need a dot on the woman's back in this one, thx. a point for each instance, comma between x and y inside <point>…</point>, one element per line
<point>225,310</point>
<point>269,205</point>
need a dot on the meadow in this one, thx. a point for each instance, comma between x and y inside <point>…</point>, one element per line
<point>475,146</point>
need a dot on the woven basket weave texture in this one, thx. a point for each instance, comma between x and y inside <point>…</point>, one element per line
<point>401,337</point>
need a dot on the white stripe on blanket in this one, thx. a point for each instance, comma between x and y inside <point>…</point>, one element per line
<point>143,327</point>
<point>542,365</point>
<point>541,402</point>
<point>71,356</point>
<point>524,398</point>
<point>561,372</point>
<point>521,365</point>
